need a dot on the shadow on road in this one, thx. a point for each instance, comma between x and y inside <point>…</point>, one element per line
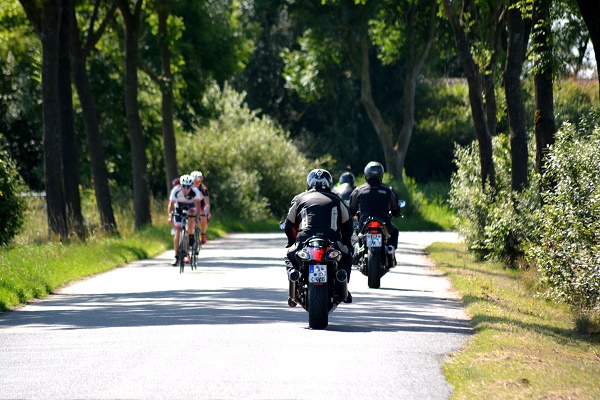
<point>390,312</point>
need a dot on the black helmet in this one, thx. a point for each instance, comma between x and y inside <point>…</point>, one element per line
<point>347,177</point>
<point>374,170</point>
<point>319,178</point>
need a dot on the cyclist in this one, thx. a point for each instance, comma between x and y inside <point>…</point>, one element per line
<point>204,203</point>
<point>183,197</point>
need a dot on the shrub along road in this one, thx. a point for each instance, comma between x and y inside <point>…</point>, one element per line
<point>225,331</point>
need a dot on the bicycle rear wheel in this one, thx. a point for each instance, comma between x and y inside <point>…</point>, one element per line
<point>182,249</point>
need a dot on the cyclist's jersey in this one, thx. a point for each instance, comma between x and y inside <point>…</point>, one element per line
<point>204,191</point>
<point>184,201</point>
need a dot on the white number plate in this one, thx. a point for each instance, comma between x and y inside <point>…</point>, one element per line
<point>373,240</point>
<point>317,273</point>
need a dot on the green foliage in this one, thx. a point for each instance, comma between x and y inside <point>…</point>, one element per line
<point>12,206</point>
<point>494,222</point>
<point>443,119</point>
<point>567,253</point>
<point>576,101</point>
<point>251,167</point>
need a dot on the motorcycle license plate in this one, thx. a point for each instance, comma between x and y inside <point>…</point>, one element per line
<point>374,240</point>
<point>317,273</point>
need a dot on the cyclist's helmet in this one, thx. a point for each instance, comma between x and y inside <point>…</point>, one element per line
<point>186,180</point>
<point>196,175</point>
<point>347,177</point>
<point>319,178</point>
<point>374,170</point>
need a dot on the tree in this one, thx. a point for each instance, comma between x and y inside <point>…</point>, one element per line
<point>590,11</point>
<point>165,84</point>
<point>141,192</point>
<point>417,50</point>
<point>46,21</point>
<point>474,81</point>
<point>70,157</point>
<point>544,125</point>
<point>515,56</point>
<point>403,32</point>
<point>81,50</point>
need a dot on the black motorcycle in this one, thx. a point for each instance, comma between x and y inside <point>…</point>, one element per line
<point>318,285</point>
<point>373,255</point>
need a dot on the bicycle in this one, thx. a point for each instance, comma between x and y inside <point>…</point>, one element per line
<point>196,246</point>
<point>182,248</point>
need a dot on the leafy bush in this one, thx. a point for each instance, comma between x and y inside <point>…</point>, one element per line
<point>567,253</point>
<point>250,165</point>
<point>494,222</point>
<point>12,206</point>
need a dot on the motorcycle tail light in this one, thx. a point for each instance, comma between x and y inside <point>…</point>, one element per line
<point>317,254</point>
<point>373,225</point>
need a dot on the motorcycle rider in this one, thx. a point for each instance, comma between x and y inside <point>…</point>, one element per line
<point>374,199</point>
<point>345,186</point>
<point>318,211</point>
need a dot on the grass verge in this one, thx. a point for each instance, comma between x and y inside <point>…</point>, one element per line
<point>524,346</point>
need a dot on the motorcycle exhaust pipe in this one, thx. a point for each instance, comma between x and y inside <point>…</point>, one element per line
<point>341,276</point>
<point>389,249</point>
<point>341,288</point>
<point>293,275</point>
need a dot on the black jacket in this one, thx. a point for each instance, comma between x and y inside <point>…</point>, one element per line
<point>374,199</point>
<point>318,211</point>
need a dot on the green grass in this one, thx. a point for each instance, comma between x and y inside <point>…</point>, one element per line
<point>524,346</point>
<point>427,208</point>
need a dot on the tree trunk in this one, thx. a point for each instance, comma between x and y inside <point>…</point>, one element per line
<point>93,136</point>
<point>413,69</point>
<point>166,88</point>
<point>70,158</point>
<point>516,109</point>
<point>55,199</point>
<point>544,95</point>
<point>395,152</point>
<point>490,73</point>
<point>383,130</point>
<point>590,10</point>
<point>141,191</point>
<point>488,175</point>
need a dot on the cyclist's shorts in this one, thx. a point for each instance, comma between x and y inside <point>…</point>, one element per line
<point>179,209</point>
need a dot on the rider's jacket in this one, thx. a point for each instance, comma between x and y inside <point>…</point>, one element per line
<point>318,211</point>
<point>343,191</point>
<point>184,201</point>
<point>374,199</point>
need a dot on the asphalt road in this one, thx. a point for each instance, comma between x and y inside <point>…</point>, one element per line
<point>225,331</point>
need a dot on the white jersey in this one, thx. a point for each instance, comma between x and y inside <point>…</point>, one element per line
<point>178,196</point>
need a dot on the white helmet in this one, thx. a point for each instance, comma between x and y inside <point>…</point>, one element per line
<point>186,180</point>
<point>196,175</point>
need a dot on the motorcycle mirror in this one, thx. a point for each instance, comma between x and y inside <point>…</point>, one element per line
<point>401,203</point>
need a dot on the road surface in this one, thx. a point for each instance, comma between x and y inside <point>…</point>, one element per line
<point>225,331</point>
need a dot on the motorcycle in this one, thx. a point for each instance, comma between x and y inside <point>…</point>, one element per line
<point>373,255</point>
<point>318,285</point>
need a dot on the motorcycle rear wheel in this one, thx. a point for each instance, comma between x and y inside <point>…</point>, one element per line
<point>374,267</point>
<point>318,312</point>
